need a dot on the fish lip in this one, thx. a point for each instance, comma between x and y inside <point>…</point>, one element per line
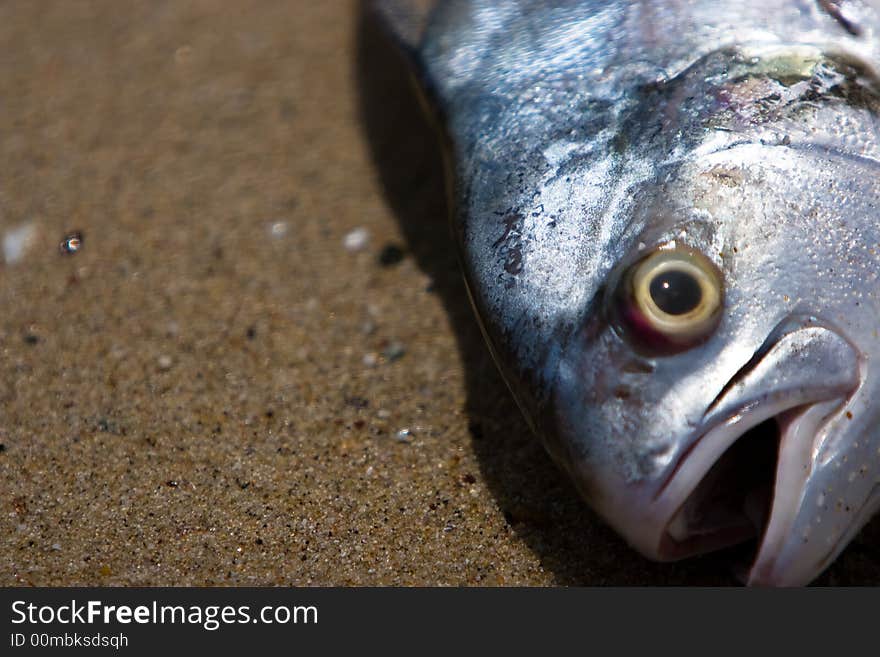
<point>687,474</point>
<point>769,574</point>
<point>698,437</point>
<point>783,558</point>
<point>664,508</point>
<point>744,419</point>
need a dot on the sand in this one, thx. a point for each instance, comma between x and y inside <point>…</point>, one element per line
<point>260,367</point>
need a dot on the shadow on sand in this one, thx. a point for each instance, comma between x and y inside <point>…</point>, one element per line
<point>539,504</point>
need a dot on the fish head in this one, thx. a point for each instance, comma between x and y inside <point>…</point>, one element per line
<point>674,260</point>
<point>720,385</point>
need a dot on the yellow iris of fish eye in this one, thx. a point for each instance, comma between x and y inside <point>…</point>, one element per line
<point>685,268</point>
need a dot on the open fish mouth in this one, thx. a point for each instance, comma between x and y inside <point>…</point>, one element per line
<point>750,473</point>
<point>744,476</point>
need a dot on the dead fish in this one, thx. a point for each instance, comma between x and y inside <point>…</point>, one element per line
<point>668,216</point>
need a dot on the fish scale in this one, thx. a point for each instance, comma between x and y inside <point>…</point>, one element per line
<point>595,145</point>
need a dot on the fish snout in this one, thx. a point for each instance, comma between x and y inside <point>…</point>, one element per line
<point>745,473</point>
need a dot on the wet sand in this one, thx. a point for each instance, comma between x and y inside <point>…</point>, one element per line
<point>260,368</point>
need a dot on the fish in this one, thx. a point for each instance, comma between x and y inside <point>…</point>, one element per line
<point>667,214</point>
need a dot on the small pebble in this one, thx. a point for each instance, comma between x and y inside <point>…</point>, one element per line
<point>72,243</point>
<point>383,414</point>
<point>183,54</point>
<point>278,229</point>
<point>356,240</point>
<point>56,546</point>
<point>17,242</point>
<point>404,435</point>
<point>394,351</point>
<point>165,362</point>
<point>371,359</point>
<point>390,255</point>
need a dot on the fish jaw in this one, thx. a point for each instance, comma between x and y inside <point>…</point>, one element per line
<point>757,465</point>
<point>788,555</point>
<point>827,494</point>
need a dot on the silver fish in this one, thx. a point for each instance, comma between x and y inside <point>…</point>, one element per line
<point>668,216</point>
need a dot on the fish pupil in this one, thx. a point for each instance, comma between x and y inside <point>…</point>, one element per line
<point>675,292</point>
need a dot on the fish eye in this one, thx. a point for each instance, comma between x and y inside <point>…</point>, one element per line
<point>670,300</point>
